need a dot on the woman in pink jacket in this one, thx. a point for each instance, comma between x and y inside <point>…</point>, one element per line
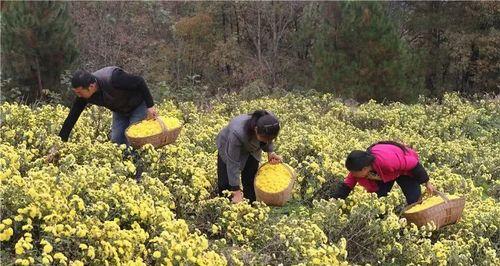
<point>382,164</point>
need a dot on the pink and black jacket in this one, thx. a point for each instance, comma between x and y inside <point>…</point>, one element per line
<point>390,163</point>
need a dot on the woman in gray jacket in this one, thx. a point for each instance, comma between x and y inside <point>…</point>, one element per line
<point>240,145</point>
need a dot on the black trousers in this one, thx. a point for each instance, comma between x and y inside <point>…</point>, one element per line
<point>247,177</point>
<point>409,185</point>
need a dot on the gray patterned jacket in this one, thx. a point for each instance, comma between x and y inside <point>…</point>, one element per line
<point>235,145</point>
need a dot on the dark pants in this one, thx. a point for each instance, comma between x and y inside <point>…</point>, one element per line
<point>247,177</point>
<point>409,185</point>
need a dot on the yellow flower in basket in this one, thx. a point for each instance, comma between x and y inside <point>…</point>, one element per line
<point>273,183</point>
<point>429,202</point>
<point>158,132</point>
<point>273,178</point>
<point>147,128</point>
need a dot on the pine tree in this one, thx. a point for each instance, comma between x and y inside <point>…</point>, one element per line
<point>37,45</point>
<point>358,53</point>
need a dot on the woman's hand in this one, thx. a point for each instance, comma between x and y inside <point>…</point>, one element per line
<point>237,196</point>
<point>273,158</point>
<point>152,113</point>
<point>430,188</point>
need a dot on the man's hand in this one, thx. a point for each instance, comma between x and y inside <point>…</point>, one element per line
<point>430,188</point>
<point>237,196</point>
<point>152,113</point>
<point>273,158</point>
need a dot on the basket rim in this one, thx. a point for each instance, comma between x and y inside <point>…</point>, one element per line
<point>449,204</point>
<point>421,200</point>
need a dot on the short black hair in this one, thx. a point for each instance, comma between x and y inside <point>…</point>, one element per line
<point>357,160</point>
<point>82,78</point>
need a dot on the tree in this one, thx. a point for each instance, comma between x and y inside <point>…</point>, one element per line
<point>127,34</point>
<point>460,40</point>
<point>194,39</point>
<point>37,45</point>
<point>267,28</point>
<point>358,53</point>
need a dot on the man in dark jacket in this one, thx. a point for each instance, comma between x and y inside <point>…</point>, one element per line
<point>126,95</point>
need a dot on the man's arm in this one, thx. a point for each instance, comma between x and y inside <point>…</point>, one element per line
<point>143,87</point>
<point>74,113</point>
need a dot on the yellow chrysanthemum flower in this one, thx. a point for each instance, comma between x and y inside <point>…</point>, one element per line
<point>156,254</point>
<point>273,178</point>
<point>429,202</point>
<point>47,248</point>
<point>152,127</point>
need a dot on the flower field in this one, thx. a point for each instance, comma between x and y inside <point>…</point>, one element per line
<point>86,208</point>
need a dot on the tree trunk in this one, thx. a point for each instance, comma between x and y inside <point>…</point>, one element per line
<point>275,44</point>
<point>433,62</point>
<point>468,77</point>
<point>39,79</point>
<point>237,18</point>
<point>177,67</point>
<point>259,52</point>
<point>224,22</point>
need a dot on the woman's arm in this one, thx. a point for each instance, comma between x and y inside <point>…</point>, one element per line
<point>345,187</point>
<point>233,153</point>
<point>420,173</point>
<point>342,191</point>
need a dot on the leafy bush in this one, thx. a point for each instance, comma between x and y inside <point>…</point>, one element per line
<point>86,207</point>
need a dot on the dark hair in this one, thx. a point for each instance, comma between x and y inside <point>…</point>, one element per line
<point>401,146</point>
<point>82,78</point>
<point>266,123</point>
<point>357,160</point>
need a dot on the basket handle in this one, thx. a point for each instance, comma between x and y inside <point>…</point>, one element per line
<point>162,124</point>
<point>442,195</point>
<point>292,172</point>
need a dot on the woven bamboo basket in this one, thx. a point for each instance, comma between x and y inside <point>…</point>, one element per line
<point>277,198</point>
<point>445,213</point>
<point>161,139</point>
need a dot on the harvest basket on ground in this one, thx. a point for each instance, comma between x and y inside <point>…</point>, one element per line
<point>161,137</point>
<point>274,183</point>
<point>441,210</point>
